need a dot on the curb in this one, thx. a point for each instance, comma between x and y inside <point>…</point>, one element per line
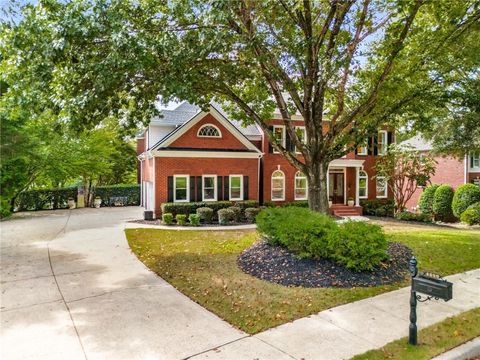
<point>466,351</point>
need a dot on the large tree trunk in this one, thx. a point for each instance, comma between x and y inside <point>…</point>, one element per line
<point>317,187</point>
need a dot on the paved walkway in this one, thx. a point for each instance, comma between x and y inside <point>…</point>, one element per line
<point>72,289</point>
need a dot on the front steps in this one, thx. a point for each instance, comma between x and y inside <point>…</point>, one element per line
<point>345,210</point>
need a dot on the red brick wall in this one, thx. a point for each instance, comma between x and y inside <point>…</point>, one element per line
<point>191,140</point>
<point>165,167</point>
<point>449,170</point>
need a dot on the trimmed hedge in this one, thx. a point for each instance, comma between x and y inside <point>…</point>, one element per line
<point>442,203</point>
<point>356,245</point>
<point>131,192</point>
<point>225,216</point>
<point>465,196</point>
<point>425,203</point>
<point>167,218</point>
<point>191,207</point>
<point>45,199</point>
<point>409,216</point>
<point>251,214</point>
<point>471,216</point>
<point>378,207</point>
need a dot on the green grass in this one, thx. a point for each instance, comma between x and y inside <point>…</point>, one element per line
<point>432,340</point>
<point>202,265</point>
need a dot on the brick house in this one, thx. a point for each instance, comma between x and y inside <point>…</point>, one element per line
<point>449,169</point>
<point>189,155</point>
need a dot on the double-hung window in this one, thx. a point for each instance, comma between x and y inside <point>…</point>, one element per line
<point>381,187</point>
<point>181,185</point>
<point>278,186</point>
<point>300,186</point>
<point>362,185</point>
<point>382,142</point>
<point>362,149</point>
<point>475,161</point>
<point>301,135</point>
<point>236,187</point>
<point>279,135</point>
<point>209,188</point>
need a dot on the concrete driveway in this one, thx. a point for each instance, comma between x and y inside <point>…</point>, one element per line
<point>72,289</point>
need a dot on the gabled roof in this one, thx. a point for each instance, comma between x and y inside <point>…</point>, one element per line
<point>185,111</point>
<point>189,123</point>
<point>418,142</point>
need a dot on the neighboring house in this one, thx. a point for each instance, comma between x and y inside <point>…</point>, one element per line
<point>449,169</point>
<point>188,155</point>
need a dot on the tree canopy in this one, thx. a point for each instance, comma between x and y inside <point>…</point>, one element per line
<point>347,67</point>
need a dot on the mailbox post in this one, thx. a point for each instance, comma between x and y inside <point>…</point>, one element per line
<point>429,284</point>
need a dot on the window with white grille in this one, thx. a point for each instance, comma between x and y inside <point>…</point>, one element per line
<point>209,131</point>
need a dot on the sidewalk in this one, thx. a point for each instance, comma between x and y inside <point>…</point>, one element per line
<point>352,329</point>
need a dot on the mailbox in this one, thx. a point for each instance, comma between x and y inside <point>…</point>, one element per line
<point>432,286</point>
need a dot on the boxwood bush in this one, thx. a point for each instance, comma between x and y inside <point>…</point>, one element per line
<point>191,207</point>
<point>465,196</point>
<point>205,214</point>
<point>225,216</point>
<point>181,219</point>
<point>425,203</point>
<point>251,214</point>
<point>409,216</point>
<point>471,216</point>
<point>356,245</point>
<point>167,218</point>
<point>442,203</point>
<point>378,207</point>
<point>237,213</point>
<point>194,219</point>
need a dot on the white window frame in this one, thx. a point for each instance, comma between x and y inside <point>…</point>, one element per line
<point>207,136</point>
<point>297,176</point>
<point>366,188</point>
<point>383,134</point>
<point>284,137</point>
<point>214,187</point>
<point>230,187</point>
<point>365,148</point>
<point>381,196</point>
<point>175,188</point>
<point>472,158</point>
<point>304,141</point>
<point>271,185</point>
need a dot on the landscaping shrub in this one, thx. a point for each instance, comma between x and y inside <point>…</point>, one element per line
<point>45,199</point>
<point>378,207</point>
<point>425,203</point>
<point>251,214</point>
<point>465,196</point>
<point>237,213</point>
<point>409,216</point>
<point>205,214</point>
<point>295,228</point>
<point>167,218</point>
<point>225,216</point>
<point>357,245</point>
<point>130,192</point>
<point>471,216</point>
<point>442,203</point>
<point>181,219</point>
<point>191,207</point>
<point>194,219</point>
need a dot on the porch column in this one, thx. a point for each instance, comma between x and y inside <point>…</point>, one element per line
<point>328,183</point>
<point>357,194</point>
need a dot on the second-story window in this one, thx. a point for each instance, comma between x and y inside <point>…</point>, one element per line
<point>475,161</point>
<point>362,149</point>
<point>382,142</point>
<point>209,131</point>
<point>279,134</point>
<point>302,136</point>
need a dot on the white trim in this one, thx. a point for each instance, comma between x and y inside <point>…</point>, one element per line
<point>344,172</point>
<point>346,163</point>
<point>304,136</point>
<point>295,186</point>
<point>175,188</point>
<point>384,143</point>
<point>386,187</point>
<point>465,169</point>
<point>205,136</point>
<point>284,137</point>
<point>207,154</point>
<point>358,184</point>
<point>154,191</point>
<point>271,185</point>
<point>215,189</point>
<point>220,118</point>
<point>357,191</point>
<point>230,187</point>
<point>294,117</point>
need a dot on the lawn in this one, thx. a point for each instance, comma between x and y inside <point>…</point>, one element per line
<point>432,340</point>
<point>202,265</point>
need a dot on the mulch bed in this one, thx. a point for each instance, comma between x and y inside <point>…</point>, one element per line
<point>278,265</point>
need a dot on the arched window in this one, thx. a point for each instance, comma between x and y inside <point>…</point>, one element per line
<point>210,131</point>
<point>278,186</point>
<point>300,186</point>
<point>362,184</point>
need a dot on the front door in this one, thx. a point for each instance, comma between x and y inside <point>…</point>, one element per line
<point>336,188</point>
